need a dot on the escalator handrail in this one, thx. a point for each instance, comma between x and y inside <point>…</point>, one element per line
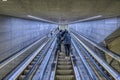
<point>109,69</point>
<point>110,53</point>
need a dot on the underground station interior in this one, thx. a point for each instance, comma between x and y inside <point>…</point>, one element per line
<point>32,32</point>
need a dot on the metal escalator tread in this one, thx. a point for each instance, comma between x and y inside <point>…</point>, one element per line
<point>64,63</point>
<point>64,68</point>
<point>65,77</point>
<point>65,72</point>
<point>21,77</point>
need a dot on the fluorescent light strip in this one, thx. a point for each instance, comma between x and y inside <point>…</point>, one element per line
<point>4,0</point>
<point>90,18</point>
<point>41,19</point>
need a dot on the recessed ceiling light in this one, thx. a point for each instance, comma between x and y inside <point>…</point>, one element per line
<point>4,0</point>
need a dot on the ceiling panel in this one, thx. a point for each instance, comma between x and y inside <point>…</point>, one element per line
<point>56,10</point>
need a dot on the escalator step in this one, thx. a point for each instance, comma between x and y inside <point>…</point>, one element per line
<point>21,77</point>
<point>64,72</point>
<point>64,63</point>
<point>64,66</point>
<point>63,59</point>
<point>26,71</point>
<point>65,77</point>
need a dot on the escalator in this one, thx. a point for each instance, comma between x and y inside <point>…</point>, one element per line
<point>64,68</point>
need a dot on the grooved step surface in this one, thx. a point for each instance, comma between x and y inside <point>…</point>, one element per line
<point>64,63</point>
<point>65,72</point>
<point>21,77</point>
<point>65,77</point>
<point>64,68</point>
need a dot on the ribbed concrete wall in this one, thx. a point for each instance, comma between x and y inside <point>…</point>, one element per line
<point>97,30</point>
<point>16,33</point>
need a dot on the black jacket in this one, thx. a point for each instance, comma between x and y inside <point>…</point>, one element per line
<point>67,38</point>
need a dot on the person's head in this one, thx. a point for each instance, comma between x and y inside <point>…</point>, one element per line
<point>60,30</point>
<point>66,31</point>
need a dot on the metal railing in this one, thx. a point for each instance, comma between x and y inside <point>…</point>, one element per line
<point>18,54</point>
<point>19,71</point>
<point>46,60</point>
<point>108,68</point>
<point>112,54</point>
<point>91,74</point>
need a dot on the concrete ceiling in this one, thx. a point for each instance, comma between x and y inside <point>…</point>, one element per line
<point>60,10</point>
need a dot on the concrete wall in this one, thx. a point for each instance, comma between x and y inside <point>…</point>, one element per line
<point>97,30</point>
<point>100,30</point>
<point>16,33</point>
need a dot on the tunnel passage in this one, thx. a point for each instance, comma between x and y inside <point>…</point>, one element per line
<point>28,31</point>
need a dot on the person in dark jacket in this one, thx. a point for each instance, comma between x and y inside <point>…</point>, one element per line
<point>62,33</point>
<point>59,41</point>
<point>67,42</point>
